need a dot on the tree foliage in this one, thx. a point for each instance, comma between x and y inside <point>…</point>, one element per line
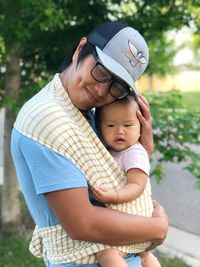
<point>154,19</point>
<point>45,31</point>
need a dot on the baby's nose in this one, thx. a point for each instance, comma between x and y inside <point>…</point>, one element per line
<point>120,130</point>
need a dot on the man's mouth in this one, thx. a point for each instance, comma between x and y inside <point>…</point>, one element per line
<point>93,97</point>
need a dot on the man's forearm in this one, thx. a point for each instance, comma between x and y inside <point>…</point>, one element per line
<point>116,228</point>
<point>83,221</point>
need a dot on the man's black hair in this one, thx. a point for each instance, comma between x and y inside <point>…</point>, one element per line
<point>87,49</point>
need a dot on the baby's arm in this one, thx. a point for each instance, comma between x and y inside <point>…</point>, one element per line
<point>136,182</point>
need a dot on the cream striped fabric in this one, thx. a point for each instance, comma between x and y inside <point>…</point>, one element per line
<point>52,120</point>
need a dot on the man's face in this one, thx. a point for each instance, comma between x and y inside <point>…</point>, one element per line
<point>84,91</point>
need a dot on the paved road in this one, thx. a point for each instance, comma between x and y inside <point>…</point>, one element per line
<point>178,193</point>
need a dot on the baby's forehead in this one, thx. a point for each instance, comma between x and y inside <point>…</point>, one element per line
<point>120,108</point>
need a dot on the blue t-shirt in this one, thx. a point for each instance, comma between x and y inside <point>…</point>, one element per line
<point>41,170</point>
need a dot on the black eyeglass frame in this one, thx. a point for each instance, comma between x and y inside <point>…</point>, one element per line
<point>113,80</point>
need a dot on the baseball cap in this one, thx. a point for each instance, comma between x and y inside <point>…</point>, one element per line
<point>122,50</point>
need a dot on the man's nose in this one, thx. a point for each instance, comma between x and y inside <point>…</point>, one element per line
<point>102,89</point>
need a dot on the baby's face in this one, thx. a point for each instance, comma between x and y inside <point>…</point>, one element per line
<point>120,126</point>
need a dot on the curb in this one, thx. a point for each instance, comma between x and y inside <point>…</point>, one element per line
<point>183,245</point>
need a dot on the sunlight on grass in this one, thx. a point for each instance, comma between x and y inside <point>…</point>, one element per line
<point>191,100</point>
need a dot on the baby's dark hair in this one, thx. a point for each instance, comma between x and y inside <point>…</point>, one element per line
<point>87,49</point>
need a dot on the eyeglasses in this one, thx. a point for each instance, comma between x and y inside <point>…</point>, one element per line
<point>118,89</point>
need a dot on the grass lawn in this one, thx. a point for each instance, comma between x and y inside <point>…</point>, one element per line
<point>171,262</point>
<point>14,253</point>
<point>191,100</point>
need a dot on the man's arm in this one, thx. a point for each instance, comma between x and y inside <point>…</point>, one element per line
<point>82,221</point>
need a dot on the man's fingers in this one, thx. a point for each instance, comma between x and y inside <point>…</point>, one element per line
<point>143,99</point>
<point>145,109</point>
<point>140,116</point>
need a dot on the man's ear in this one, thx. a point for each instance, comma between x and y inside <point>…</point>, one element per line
<point>76,54</point>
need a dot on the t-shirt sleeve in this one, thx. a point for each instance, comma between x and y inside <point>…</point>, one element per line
<point>51,171</point>
<point>136,157</point>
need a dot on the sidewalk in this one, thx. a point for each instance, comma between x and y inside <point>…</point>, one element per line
<point>183,245</point>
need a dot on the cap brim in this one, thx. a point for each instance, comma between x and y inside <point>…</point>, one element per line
<point>114,67</point>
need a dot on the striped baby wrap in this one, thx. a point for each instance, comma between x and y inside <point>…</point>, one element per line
<point>51,119</point>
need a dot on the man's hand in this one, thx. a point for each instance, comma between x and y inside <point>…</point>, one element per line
<point>159,212</point>
<point>146,138</point>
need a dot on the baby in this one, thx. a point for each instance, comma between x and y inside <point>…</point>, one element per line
<point>120,131</point>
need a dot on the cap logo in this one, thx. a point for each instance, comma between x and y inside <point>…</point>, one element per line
<point>136,58</point>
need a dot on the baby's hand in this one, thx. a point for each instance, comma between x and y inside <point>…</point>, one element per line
<point>104,195</point>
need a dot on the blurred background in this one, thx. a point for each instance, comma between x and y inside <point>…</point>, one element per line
<point>35,38</point>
